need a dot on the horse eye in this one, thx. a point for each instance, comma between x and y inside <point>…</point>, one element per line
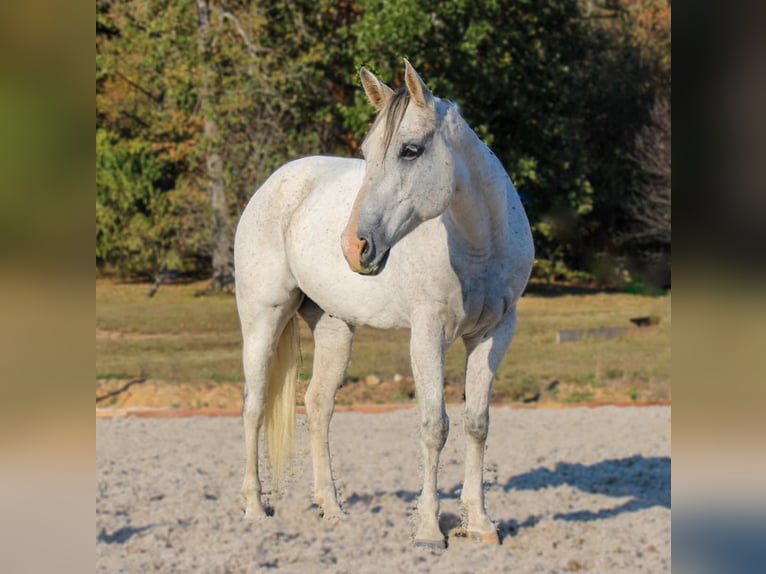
<point>410,151</point>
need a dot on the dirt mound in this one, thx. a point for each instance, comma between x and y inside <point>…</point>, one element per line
<point>126,393</point>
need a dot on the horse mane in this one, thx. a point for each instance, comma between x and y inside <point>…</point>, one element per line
<point>392,115</point>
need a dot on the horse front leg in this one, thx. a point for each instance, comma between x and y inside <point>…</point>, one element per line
<point>484,356</point>
<point>427,347</point>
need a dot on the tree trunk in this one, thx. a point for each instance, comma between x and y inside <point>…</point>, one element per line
<point>223,264</point>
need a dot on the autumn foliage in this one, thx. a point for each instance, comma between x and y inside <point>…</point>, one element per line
<point>192,117</point>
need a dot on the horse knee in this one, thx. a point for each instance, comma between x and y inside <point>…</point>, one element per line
<point>434,429</point>
<point>477,425</point>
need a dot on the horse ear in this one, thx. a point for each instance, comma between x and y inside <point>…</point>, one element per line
<point>419,92</point>
<point>377,92</point>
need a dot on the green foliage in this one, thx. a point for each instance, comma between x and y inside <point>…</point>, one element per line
<point>518,390</point>
<point>140,227</point>
<point>150,214</point>
<point>559,89</point>
<point>557,270</point>
<point>558,94</point>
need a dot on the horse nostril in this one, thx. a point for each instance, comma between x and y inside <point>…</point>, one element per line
<point>367,250</point>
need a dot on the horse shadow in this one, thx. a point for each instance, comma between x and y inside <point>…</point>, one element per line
<point>645,481</point>
<point>121,535</point>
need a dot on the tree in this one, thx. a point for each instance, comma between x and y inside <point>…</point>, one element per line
<point>557,89</point>
<point>222,257</point>
<point>150,214</point>
<point>198,101</point>
<point>216,95</point>
<point>650,205</point>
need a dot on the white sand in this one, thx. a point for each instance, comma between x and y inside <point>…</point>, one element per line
<point>579,489</point>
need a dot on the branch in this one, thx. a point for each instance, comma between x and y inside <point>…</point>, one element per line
<point>157,100</point>
<point>135,118</point>
<point>651,201</point>
<point>122,389</point>
<point>227,15</point>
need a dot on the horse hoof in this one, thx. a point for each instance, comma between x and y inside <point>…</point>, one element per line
<point>431,544</point>
<point>334,515</point>
<point>491,537</point>
<point>486,537</point>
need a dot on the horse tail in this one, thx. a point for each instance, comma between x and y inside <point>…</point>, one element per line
<point>280,401</point>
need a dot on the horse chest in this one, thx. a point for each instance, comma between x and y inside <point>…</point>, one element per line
<point>485,302</point>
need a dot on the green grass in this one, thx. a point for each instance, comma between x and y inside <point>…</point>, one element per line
<point>579,397</point>
<point>177,337</point>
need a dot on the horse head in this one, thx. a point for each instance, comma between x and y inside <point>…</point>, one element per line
<point>410,173</point>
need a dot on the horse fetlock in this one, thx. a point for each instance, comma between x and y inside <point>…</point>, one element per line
<point>327,501</point>
<point>476,522</point>
<point>480,525</point>
<point>254,510</point>
<point>251,492</point>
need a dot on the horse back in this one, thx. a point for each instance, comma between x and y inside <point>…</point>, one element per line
<point>261,259</point>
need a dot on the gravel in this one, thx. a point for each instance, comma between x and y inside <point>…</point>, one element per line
<point>582,489</point>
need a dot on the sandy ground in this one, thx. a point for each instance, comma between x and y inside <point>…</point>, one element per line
<point>571,490</point>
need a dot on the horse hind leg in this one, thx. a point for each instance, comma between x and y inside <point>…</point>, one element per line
<point>332,348</point>
<point>268,333</point>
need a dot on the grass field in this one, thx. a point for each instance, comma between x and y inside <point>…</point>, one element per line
<point>177,337</point>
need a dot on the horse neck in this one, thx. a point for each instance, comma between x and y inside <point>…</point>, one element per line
<point>479,209</point>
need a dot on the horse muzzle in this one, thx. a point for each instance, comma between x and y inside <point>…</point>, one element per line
<point>361,253</point>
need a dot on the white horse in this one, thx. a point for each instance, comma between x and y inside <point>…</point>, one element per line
<point>427,233</point>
